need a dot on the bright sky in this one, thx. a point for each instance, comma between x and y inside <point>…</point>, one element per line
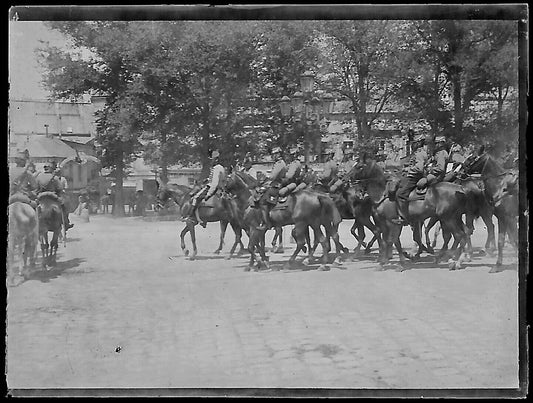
<point>25,73</point>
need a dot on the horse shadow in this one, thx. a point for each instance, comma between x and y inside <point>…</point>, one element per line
<point>55,271</point>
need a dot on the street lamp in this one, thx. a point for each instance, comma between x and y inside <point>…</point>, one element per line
<point>306,107</point>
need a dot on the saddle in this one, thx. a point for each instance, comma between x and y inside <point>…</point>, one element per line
<point>282,203</point>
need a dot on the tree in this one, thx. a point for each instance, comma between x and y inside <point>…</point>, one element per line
<point>467,55</point>
<point>99,62</point>
<point>361,63</point>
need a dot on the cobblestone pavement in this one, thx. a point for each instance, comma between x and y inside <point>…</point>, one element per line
<point>124,308</point>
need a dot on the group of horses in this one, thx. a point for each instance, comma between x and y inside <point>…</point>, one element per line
<point>29,226</point>
<point>483,189</point>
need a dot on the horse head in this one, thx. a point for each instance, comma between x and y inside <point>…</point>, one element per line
<point>483,164</point>
<point>508,187</point>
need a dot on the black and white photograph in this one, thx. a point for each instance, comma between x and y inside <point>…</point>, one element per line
<point>275,201</point>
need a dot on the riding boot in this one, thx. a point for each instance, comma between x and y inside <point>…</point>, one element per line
<point>68,225</point>
<point>265,223</point>
<point>403,207</point>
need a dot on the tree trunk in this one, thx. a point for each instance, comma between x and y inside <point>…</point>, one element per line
<point>164,173</point>
<point>118,206</point>
<point>501,98</point>
<point>457,105</point>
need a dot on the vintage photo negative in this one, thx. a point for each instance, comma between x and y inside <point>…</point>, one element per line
<point>289,201</point>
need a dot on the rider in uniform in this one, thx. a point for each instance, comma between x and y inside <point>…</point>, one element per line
<point>294,169</point>
<point>414,173</point>
<point>437,169</point>
<point>21,179</point>
<point>267,199</point>
<point>331,169</point>
<point>47,181</point>
<point>215,181</point>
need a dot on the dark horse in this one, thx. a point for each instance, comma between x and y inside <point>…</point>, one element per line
<point>501,190</point>
<point>446,202</point>
<point>306,209</point>
<point>368,176</point>
<point>218,208</point>
<point>50,220</point>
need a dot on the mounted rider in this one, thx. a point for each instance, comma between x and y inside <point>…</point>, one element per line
<point>346,168</point>
<point>437,163</point>
<point>267,196</point>
<point>217,176</point>
<point>294,174</point>
<point>414,172</point>
<point>47,181</point>
<point>331,169</point>
<point>248,167</point>
<point>22,182</point>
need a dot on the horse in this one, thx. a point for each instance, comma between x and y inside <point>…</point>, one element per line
<point>23,237</point>
<point>447,202</point>
<point>368,175</point>
<point>50,220</point>
<point>501,190</point>
<point>305,209</point>
<point>218,208</point>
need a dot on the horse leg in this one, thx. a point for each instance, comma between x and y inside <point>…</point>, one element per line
<point>223,226</point>
<point>299,235</point>
<point>431,224</point>
<point>54,244</point>
<point>446,236</point>
<point>490,244</point>
<point>456,226</point>
<point>366,222</point>
<point>252,241</point>
<point>238,235</point>
<point>324,241</point>
<point>192,231</point>
<point>182,238</point>
<point>279,237</point>
<point>502,230</point>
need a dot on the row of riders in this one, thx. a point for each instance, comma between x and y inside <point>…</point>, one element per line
<point>441,185</point>
<point>36,207</point>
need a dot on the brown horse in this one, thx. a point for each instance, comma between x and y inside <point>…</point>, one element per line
<point>219,208</point>
<point>305,209</point>
<point>501,190</point>
<point>50,220</point>
<point>447,202</point>
<point>23,237</point>
<point>368,176</point>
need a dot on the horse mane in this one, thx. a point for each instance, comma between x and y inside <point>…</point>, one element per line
<point>48,195</point>
<point>248,180</point>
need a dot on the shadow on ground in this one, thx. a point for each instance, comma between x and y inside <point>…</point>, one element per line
<point>52,272</point>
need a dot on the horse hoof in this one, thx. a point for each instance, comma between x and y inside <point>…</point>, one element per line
<point>495,270</point>
<point>279,250</point>
<point>367,251</point>
<point>323,267</point>
<point>381,267</point>
<point>227,258</point>
<point>248,268</point>
<point>452,265</point>
<point>345,250</point>
<point>482,253</point>
<point>217,252</point>
<point>186,252</point>
<point>305,261</point>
